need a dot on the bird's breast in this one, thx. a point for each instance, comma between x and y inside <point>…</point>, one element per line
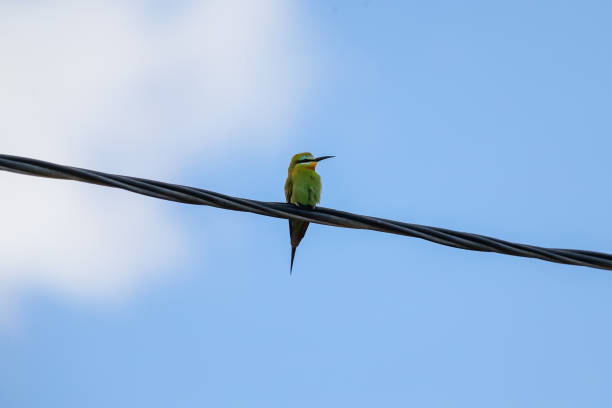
<point>306,188</point>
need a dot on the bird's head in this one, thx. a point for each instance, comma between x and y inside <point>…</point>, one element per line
<point>306,160</point>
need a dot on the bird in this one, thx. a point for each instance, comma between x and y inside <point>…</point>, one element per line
<point>302,188</point>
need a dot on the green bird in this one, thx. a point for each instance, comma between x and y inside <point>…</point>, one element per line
<point>302,188</point>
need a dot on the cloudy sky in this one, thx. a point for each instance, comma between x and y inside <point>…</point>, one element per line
<point>142,89</point>
<point>481,118</point>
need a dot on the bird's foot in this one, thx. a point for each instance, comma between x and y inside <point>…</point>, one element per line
<point>306,206</point>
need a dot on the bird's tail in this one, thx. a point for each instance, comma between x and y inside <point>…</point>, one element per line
<point>297,229</point>
<point>293,248</point>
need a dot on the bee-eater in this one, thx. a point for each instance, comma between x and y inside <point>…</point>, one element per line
<point>302,188</point>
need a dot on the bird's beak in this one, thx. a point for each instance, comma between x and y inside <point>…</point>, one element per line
<point>318,159</point>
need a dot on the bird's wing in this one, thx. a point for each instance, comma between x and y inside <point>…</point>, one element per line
<point>288,189</point>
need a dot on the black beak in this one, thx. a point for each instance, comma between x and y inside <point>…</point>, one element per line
<point>318,159</point>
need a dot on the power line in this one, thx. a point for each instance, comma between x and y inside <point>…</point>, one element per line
<point>320,215</point>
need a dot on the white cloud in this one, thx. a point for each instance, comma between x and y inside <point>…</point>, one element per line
<point>105,84</point>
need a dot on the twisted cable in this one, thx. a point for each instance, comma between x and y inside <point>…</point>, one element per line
<point>319,215</point>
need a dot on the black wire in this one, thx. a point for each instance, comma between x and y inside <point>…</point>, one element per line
<point>320,215</point>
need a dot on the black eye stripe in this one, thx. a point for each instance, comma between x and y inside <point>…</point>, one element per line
<point>303,161</point>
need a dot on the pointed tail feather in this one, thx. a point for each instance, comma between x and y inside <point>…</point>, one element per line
<point>297,229</point>
<point>292,256</point>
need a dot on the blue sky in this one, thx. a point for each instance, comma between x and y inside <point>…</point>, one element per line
<point>481,117</point>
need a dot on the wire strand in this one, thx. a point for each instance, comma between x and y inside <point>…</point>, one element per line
<point>319,215</point>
